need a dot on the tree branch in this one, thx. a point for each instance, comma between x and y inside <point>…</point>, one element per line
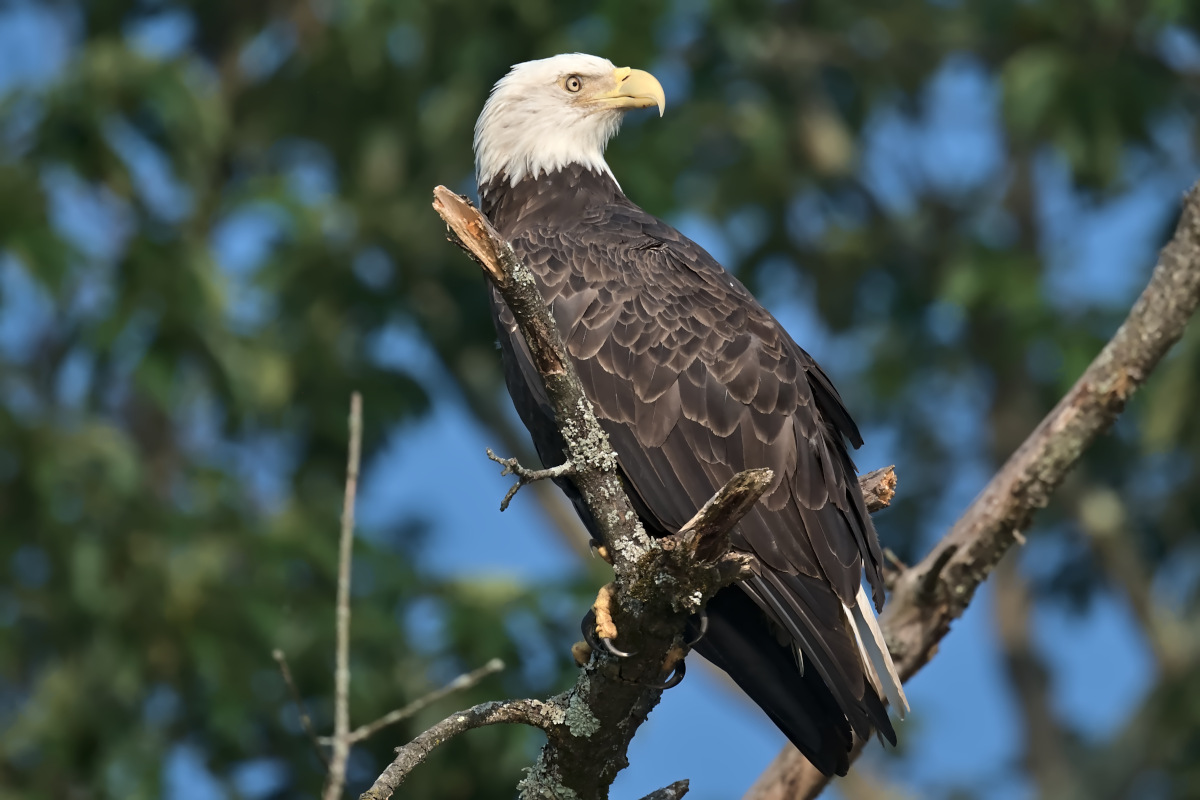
<point>341,677</point>
<point>546,716</point>
<point>878,487</point>
<point>525,475</point>
<point>932,594</point>
<point>707,532</point>
<point>464,681</point>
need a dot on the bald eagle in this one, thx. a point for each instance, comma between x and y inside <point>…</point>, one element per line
<point>693,381</point>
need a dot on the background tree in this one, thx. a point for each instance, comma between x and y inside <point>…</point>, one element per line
<point>214,224</point>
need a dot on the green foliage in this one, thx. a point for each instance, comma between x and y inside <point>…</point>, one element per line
<point>151,574</point>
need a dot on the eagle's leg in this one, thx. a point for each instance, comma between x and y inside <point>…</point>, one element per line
<point>606,629</point>
<point>598,625</point>
<point>582,653</point>
<point>598,628</point>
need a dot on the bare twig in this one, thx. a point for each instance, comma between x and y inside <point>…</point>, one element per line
<point>547,716</point>
<point>526,475</point>
<point>464,681</point>
<point>341,678</point>
<point>305,720</point>
<point>920,611</point>
<point>673,792</point>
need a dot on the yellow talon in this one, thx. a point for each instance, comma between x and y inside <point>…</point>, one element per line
<point>605,628</point>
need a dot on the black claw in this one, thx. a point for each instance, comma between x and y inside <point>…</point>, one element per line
<point>588,627</point>
<point>703,628</point>
<point>676,677</point>
<point>612,648</point>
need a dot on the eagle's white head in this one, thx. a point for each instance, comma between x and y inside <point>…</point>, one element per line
<point>544,115</point>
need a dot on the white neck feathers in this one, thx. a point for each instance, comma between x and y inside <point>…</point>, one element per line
<point>527,128</point>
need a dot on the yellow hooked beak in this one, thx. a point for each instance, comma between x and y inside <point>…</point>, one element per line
<point>635,88</point>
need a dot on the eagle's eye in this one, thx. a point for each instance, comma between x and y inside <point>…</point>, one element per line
<point>573,84</point>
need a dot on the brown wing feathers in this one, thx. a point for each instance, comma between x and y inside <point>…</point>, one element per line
<point>694,381</point>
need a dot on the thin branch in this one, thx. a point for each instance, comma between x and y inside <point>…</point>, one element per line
<point>526,475</point>
<point>922,608</point>
<point>564,522</point>
<point>673,792</point>
<point>547,716</point>
<point>1024,484</point>
<point>464,681</point>
<point>341,677</point>
<point>305,720</point>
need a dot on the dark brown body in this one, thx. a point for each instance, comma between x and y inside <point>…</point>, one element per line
<point>694,381</point>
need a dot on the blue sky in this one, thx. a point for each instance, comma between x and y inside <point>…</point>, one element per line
<point>963,729</point>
